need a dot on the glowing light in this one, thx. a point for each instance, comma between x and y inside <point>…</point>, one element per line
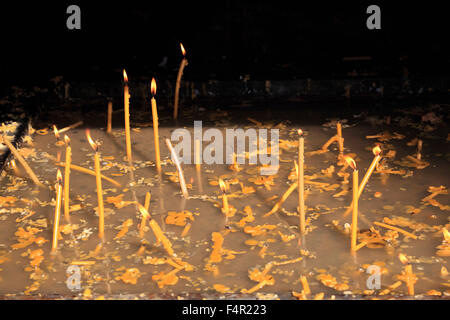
<point>182,49</point>
<point>153,87</point>
<point>351,162</point>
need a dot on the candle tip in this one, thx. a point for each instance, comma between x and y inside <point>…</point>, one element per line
<point>59,176</point>
<point>125,77</point>
<point>91,142</point>
<point>66,139</point>
<point>300,132</point>
<point>183,51</point>
<point>403,258</point>
<point>351,162</point>
<point>153,87</point>
<point>377,150</point>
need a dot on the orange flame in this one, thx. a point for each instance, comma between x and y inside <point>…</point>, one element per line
<point>376,151</point>
<point>13,164</point>
<point>182,49</point>
<point>222,186</point>
<point>300,132</point>
<point>125,77</point>
<point>351,162</point>
<point>153,87</point>
<point>446,234</point>
<point>403,258</point>
<point>66,139</point>
<point>55,130</point>
<point>59,176</point>
<point>91,142</point>
<point>143,211</point>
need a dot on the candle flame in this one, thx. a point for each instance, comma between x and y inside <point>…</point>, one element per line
<point>13,164</point>
<point>55,130</point>
<point>351,162</point>
<point>153,87</point>
<point>66,139</point>
<point>222,185</point>
<point>143,211</point>
<point>91,142</point>
<point>125,77</point>
<point>300,132</point>
<point>59,176</point>
<point>182,49</point>
<point>376,151</point>
<point>446,234</point>
<point>403,258</point>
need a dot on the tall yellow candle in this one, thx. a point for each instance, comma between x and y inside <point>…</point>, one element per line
<point>67,178</point>
<point>183,64</point>
<point>98,178</point>
<point>57,211</point>
<point>301,180</point>
<point>126,97</point>
<point>155,126</point>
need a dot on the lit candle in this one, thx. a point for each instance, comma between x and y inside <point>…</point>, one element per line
<point>377,152</point>
<point>155,126</point>
<point>109,124</point>
<point>101,213</point>
<point>354,228</point>
<point>301,180</point>
<point>57,211</point>
<point>67,178</point>
<point>183,64</point>
<point>126,97</point>
<point>223,188</point>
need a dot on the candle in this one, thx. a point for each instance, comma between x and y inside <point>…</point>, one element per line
<point>157,231</point>
<point>155,126</point>
<point>126,97</point>
<point>377,152</point>
<point>183,64</point>
<point>301,180</point>
<point>198,165</point>
<point>145,214</point>
<point>67,178</point>
<point>109,124</point>
<point>340,139</point>
<point>22,161</point>
<point>101,213</point>
<point>354,228</point>
<point>180,172</point>
<point>407,274</point>
<point>225,208</point>
<point>57,211</point>
<point>419,149</point>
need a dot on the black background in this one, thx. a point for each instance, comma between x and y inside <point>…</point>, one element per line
<point>224,39</point>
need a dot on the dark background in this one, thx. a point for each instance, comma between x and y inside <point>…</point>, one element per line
<point>224,39</point>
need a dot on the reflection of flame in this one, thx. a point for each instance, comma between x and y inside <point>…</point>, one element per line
<point>446,234</point>
<point>153,87</point>
<point>300,132</point>
<point>143,211</point>
<point>91,142</point>
<point>376,151</point>
<point>402,258</point>
<point>182,49</point>
<point>222,185</point>
<point>351,162</point>
<point>55,130</point>
<point>66,139</point>
<point>125,77</point>
<point>59,176</point>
